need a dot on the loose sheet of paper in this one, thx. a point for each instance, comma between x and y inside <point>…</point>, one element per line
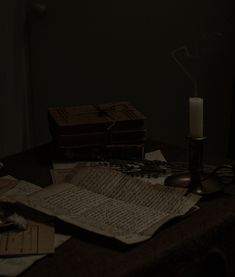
<point>155,155</point>
<point>14,266</point>
<point>151,156</point>
<point>9,187</point>
<point>111,203</point>
<point>38,238</point>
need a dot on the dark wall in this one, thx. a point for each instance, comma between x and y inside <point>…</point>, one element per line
<point>99,51</point>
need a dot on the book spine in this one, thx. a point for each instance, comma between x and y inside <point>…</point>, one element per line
<point>101,138</point>
<point>129,152</point>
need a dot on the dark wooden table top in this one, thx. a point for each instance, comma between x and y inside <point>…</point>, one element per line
<point>180,248</point>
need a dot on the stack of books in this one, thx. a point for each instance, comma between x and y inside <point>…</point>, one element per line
<point>111,130</point>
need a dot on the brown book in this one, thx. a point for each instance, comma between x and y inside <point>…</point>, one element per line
<point>121,151</point>
<point>101,138</point>
<point>116,116</point>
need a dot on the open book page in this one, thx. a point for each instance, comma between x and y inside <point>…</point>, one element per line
<point>110,203</point>
<point>63,200</point>
<point>114,184</point>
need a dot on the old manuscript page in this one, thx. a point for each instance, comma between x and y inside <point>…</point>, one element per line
<point>111,203</point>
<point>11,187</point>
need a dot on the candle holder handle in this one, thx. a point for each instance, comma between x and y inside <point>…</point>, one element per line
<point>195,179</point>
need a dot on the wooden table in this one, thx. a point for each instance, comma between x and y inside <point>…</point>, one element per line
<point>201,242</point>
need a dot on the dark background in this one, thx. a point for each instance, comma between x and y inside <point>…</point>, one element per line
<point>90,51</point>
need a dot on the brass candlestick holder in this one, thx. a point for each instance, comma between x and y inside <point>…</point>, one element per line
<point>195,179</point>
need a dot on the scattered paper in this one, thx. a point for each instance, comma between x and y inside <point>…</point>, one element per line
<point>58,175</point>
<point>63,165</point>
<point>61,169</point>
<point>14,266</point>
<point>151,156</point>
<point>38,238</point>
<point>10,186</point>
<point>111,203</point>
<point>155,155</point>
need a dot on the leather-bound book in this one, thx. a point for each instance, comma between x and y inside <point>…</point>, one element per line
<point>112,130</point>
<point>116,116</point>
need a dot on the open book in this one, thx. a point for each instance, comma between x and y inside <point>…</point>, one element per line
<point>108,202</point>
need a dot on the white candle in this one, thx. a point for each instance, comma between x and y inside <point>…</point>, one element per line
<point>196,117</point>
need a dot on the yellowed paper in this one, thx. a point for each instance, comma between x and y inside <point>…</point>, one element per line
<point>111,203</point>
<point>14,266</point>
<point>36,239</point>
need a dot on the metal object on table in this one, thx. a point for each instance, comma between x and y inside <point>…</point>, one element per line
<point>195,179</point>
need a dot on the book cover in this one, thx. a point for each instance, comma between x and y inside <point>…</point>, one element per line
<point>95,118</point>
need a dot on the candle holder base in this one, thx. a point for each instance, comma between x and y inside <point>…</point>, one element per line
<point>207,186</point>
